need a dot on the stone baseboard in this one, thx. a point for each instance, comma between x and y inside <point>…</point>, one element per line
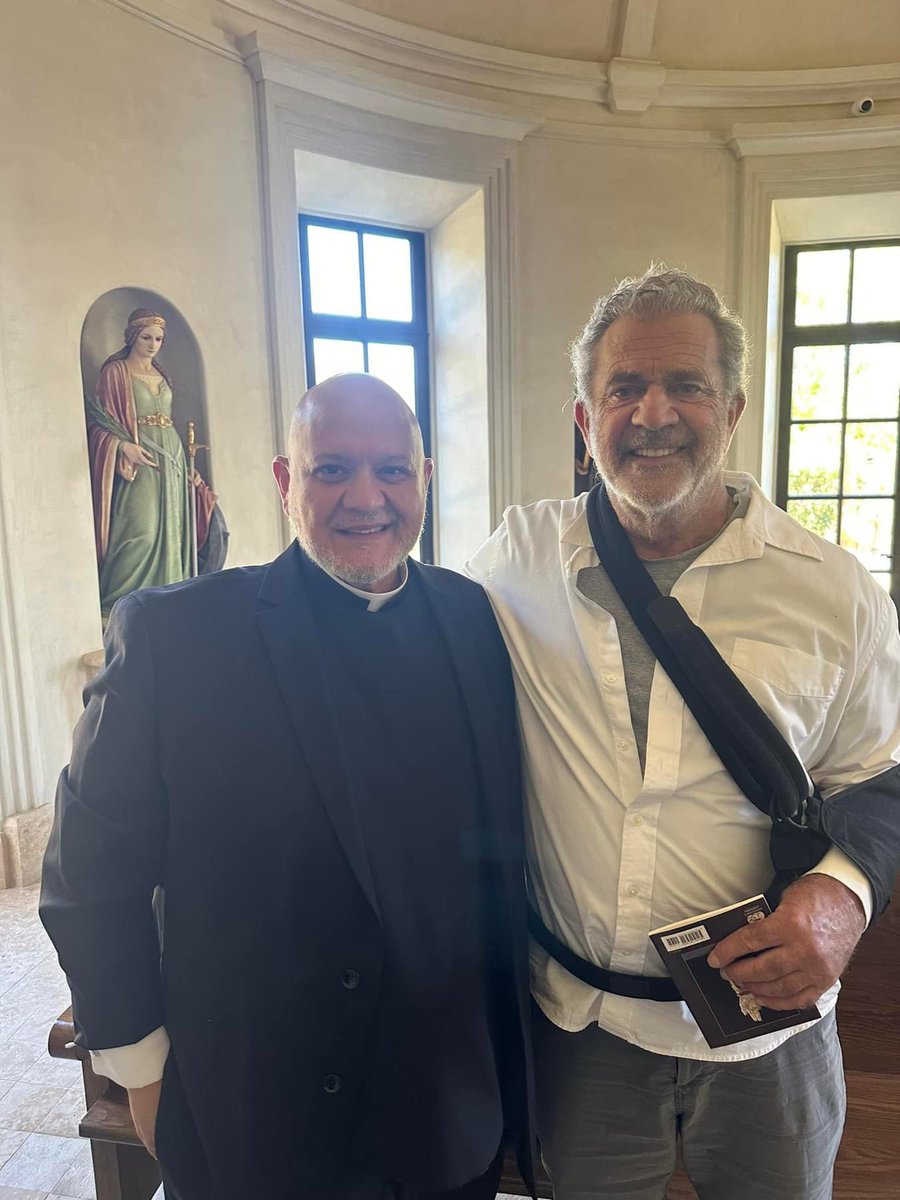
<point>24,840</point>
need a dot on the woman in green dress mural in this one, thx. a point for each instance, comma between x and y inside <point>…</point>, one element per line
<point>139,472</point>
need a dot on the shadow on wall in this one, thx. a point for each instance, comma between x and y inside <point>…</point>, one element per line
<point>102,334</point>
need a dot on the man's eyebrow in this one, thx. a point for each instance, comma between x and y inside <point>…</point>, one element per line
<point>625,377</point>
<point>679,375</point>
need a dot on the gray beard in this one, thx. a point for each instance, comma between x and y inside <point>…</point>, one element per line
<point>358,577</point>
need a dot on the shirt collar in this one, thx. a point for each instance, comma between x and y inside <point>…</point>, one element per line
<point>376,600</point>
<point>745,537</point>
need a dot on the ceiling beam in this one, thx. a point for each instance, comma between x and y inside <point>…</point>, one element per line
<point>637,21</point>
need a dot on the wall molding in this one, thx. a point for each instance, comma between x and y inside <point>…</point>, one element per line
<point>634,84</point>
<point>810,137</point>
<point>317,27</point>
<point>385,41</point>
<point>173,19</point>
<point>779,89</point>
<point>763,180</point>
<point>270,60</point>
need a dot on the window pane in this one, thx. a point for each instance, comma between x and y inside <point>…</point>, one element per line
<point>884,578</point>
<point>334,271</point>
<point>867,528</point>
<point>815,459</point>
<point>818,516</point>
<point>876,284</point>
<point>817,382</point>
<point>388,277</point>
<point>332,357</point>
<point>870,458</point>
<point>396,365</point>
<point>823,281</point>
<point>873,382</point>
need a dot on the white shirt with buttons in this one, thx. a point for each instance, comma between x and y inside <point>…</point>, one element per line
<point>615,853</point>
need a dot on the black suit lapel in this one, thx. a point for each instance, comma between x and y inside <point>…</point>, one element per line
<point>286,624</point>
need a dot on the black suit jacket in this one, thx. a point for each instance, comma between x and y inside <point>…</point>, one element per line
<point>209,762</point>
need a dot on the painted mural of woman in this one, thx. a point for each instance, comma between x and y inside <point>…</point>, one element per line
<point>139,471</point>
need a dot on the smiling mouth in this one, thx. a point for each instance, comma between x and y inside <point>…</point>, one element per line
<point>364,531</point>
<point>662,452</point>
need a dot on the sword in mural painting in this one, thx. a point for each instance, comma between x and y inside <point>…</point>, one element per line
<point>192,447</point>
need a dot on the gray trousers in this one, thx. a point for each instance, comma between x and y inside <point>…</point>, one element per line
<point>610,1115</point>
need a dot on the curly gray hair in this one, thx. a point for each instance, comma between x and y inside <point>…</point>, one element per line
<point>658,291</point>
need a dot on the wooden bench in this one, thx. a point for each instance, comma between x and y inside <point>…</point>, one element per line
<point>123,1170</point>
<point>868,1166</point>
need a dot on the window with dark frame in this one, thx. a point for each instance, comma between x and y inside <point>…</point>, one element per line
<point>365,308</point>
<point>838,471</point>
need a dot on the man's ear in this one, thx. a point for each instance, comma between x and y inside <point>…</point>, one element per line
<point>282,471</point>
<point>428,471</point>
<point>582,420</point>
<point>736,408</point>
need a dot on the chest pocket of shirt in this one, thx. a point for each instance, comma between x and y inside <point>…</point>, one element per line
<point>794,688</point>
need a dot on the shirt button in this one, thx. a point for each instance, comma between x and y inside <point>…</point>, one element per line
<point>623,746</point>
<point>637,820</point>
<point>632,891</point>
<point>350,980</point>
<point>332,1084</point>
<point>610,677</point>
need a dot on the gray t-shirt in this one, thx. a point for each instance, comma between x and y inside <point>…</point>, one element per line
<point>638,660</point>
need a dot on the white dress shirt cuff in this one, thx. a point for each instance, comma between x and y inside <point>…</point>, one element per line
<point>836,864</point>
<point>137,1065</point>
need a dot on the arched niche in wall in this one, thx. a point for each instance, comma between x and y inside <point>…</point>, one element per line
<point>161,551</point>
<point>103,333</point>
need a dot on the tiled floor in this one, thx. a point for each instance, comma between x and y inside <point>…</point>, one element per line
<point>41,1155</point>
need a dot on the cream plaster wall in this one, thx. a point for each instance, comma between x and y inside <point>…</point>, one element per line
<point>129,159</point>
<point>590,214</point>
<point>461,422</point>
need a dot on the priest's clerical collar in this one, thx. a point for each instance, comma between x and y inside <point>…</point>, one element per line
<point>376,600</point>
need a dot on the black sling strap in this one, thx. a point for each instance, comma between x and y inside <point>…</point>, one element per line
<point>862,820</point>
<point>637,987</point>
<point>751,748</point>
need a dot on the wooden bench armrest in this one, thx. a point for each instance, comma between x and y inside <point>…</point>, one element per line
<point>61,1042</point>
<point>109,1120</point>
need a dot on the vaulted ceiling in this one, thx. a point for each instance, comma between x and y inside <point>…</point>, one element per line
<point>726,35</point>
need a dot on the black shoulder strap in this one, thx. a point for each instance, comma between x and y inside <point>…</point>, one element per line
<point>751,748</point>
<point>862,820</point>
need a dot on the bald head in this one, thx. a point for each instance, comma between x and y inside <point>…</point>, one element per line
<point>355,483</point>
<point>347,398</point>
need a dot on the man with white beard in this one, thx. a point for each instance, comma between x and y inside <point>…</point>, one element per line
<point>632,820</point>
<point>316,761</point>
